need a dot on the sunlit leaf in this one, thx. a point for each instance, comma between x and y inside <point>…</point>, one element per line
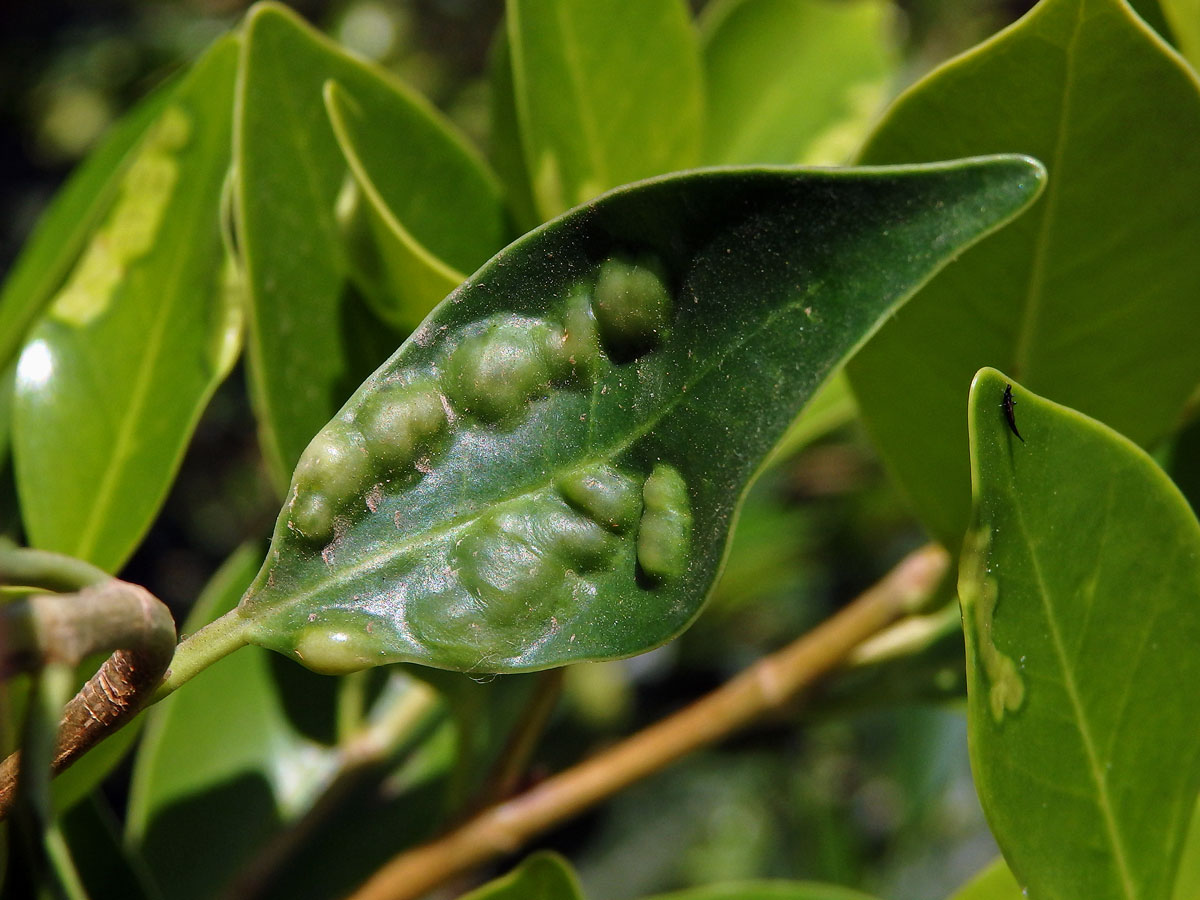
<point>582,128</point>
<point>310,338</point>
<point>1078,582</point>
<point>433,210</point>
<point>794,81</point>
<point>112,382</point>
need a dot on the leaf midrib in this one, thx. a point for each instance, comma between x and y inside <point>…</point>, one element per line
<point>1103,801</point>
<point>1035,293</point>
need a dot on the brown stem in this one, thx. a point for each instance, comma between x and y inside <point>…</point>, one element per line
<point>767,685</point>
<point>66,628</point>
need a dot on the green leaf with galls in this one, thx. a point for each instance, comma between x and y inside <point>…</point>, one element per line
<point>547,471</point>
<point>1078,583</point>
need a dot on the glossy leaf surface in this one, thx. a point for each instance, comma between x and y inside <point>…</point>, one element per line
<point>543,876</point>
<point>548,469</point>
<point>1078,583</point>
<point>1091,298</point>
<point>201,802</point>
<point>582,129</point>
<point>433,210</point>
<point>311,340</point>
<point>794,81</point>
<point>996,882</point>
<point>111,383</point>
<point>65,228</point>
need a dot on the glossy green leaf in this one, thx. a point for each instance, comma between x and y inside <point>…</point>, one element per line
<point>113,380</point>
<point>310,338</point>
<point>766,890</point>
<point>1078,583</point>
<point>1184,18</point>
<point>65,228</point>
<point>996,882</point>
<point>548,469</point>
<point>433,209</point>
<point>583,130</point>
<point>794,81</point>
<point>543,876</point>
<point>1091,297</point>
<point>221,766</point>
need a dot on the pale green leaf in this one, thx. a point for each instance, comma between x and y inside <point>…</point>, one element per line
<point>113,380</point>
<point>599,103</point>
<point>794,81</point>
<point>1078,582</point>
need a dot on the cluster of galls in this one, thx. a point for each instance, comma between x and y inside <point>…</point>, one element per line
<point>491,375</point>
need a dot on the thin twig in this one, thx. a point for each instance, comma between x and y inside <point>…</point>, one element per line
<point>765,686</point>
<point>514,760</point>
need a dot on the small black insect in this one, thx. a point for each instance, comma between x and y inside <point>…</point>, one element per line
<point>1007,404</point>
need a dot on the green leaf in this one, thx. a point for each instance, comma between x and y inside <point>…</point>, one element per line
<point>1078,583</point>
<point>582,128</point>
<point>996,882</point>
<point>794,81</point>
<point>432,207</point>
<point>504,141</point>
<point>201,802</point>
<point>543,876</point>
<point>112,382</point>
<point>1092,296</point>
<point>65,228</point>
<point>548,469</point>
<point>310,338</point>
<point>1187,880</point>
<point>766,890</point>
<point>1184,18</point>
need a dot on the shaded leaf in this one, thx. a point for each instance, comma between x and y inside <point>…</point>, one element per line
<point>112,382</point>
<point>583,130</point>
<point>504,140</point>
<point>432,208</point>
<point>794,81</point>
<point>1092,296</point>
<point>543,876</point>
<point>1079,582</point>
<point>548,469</point>
<point>310,338</point>
<point>201,802</point>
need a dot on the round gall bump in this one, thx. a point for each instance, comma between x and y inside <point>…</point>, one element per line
<point>664,538</point>
<point>604,494</point>
<point>398,422</point>
<point>335,464</point>
<point>495,374</point>
<point>330,650</point>
<point>311,515</point>
<point>574,350</point>
<point>633,307</point>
